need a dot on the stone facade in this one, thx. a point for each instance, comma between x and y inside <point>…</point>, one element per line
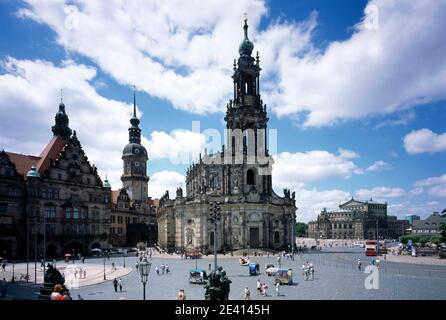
<point>238,177</point>
<point>357,220</point>
<point>56,200</point>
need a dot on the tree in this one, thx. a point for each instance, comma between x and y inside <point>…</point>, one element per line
<point>443,231</point>
<point>301,229</point>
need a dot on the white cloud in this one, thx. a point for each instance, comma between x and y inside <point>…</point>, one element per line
<point>373,69</point>
<point>436,186</point>
<point>180,147</point>
<point>347,154</point>
<point>165,180</point>
<point>29,98</point>
<point>378,166</point>
<point>182,51</point>
<point>290,170</point>
<point>380,193</point>
<point>424,140</point>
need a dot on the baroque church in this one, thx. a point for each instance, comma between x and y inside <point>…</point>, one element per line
<point>238,178</point>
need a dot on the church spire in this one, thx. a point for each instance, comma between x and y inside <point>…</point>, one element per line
<point>134,130</point>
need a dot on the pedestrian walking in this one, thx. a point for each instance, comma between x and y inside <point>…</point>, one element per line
<point>4,267</point>
<point>359,265</point>
<point>247,294</point>
<point>181,295</point>
<point>85,274</point>
<point>115,284</point>
<point>278,288</point>
<point>259,287</point>
<point>120,284</point>
<point>265,289</point>
<point>167,269</point>
<point>157,269</point>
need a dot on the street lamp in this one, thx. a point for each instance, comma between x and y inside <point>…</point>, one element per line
<point>124,260</point>
<point>104,270</point>
<point>144,270</point>
<point>214,216</point>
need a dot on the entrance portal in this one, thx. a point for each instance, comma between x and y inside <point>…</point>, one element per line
<point>254,237</point>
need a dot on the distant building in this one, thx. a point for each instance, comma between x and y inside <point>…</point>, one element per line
<point>411,218</point>
<point>357,220</point>
<point>55,200</point>
<point>431,225</point>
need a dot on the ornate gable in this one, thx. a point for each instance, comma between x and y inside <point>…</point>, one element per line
<point>72,165</point>
<point>7,167</point>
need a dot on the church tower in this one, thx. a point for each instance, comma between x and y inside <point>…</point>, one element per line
<point>61,127</point>
<point>135,158</point>
<point>246,120</point>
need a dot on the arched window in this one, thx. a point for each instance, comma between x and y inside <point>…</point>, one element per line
<point>276,237</point>
<point>250,180</point>
<point>211,239</point>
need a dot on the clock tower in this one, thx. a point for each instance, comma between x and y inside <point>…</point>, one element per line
<point>134,157</point>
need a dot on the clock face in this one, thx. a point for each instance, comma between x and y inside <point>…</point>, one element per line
<point>136,150</point>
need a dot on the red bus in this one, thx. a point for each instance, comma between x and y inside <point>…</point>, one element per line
<point>371,248</point>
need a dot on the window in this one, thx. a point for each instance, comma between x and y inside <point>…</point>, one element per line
<point>106,198</point>
<point>250,180</point>
<point>127,220</point>
<point>13,193</point>
<point>119,219</point>
<point>50,194</point>
<point>113,219</point>
<point>75,213</point>
<point>75,229</point>
<point>43,193</point>
<point>3,207</point>
<point>59,176</point>
<point>50,213</point>
<point>276,237</point>
<point>68,213</point>
<point>50,229</point>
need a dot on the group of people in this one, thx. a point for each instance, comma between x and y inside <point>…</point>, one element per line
<point>262,288</point>
<point>81,272</point>
<point>60,293</point>
<point>308,270</point>
<point>163,269</point>
<point>117,283</point>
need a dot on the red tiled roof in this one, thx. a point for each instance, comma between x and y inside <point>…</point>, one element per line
<point>23,162</point>
<point>51,152</point>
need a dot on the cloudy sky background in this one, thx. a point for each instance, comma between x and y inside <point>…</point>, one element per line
<point>356,89</point>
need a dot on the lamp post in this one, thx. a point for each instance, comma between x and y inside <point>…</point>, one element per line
<point>104,270</point>
<point>214,216</point>
<point>13,275</point>
<point>124,260</point>
<point>144,270</point>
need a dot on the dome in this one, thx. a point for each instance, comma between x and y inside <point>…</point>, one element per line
<point>134,149</point>
<point>106,184</point>
<point>246,47</point>
<point>33,172</point>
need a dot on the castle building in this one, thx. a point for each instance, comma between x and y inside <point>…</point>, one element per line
<point>357,220</point>
<point>54,203</point>
<point>238,178</point>
<point>133,217</point>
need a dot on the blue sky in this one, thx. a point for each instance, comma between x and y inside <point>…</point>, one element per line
<point>354,88</point>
